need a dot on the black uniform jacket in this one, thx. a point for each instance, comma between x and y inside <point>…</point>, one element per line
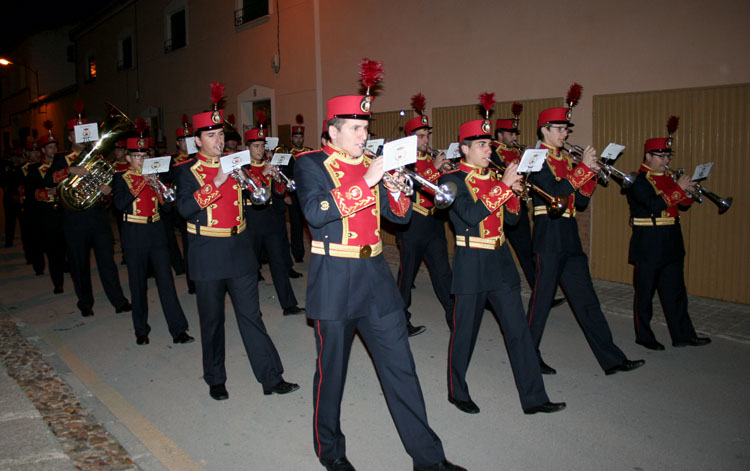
<point>340,288</point>
<point>212,258</point>
<point>559,177</point>
<point>477,270</point>
<point>657,197</point>
<point>134,197</point>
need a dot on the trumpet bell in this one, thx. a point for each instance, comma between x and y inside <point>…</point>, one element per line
<point>260,195</point>
<point>445,195</point>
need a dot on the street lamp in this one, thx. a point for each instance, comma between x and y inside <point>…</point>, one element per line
<point>5,62</point>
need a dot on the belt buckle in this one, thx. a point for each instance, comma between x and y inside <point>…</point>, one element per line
<point>233,231</point>
<point>365,251</point>
<point>497,243</point>
<point>150,219</point>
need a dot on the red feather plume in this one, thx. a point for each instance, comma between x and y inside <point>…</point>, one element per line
<point>260,117</point>
<point>230,119</point>
<point>184,119</point>
<point>419,103</point>
<point>672,124</point>
<point>78,106</point>
<point>299,119</point>
<point>140,125</point>
<point>516,109</point>
<point>488,101</point>
<point>371,72</point>
<point>48,125</point>
<point>217,92</point>
<point>574,94</point>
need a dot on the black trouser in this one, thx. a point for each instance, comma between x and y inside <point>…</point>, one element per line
<point>425,240</point>
<point>50,229</point>
<point>176,259</point>
<point>519,236</point>
<point>32,253</point>
<point>243,291</point>
<point>11,214</point>
<point>571,271</point>
<point>508,310</point>
<point>387,343</point>
<point>83,231</point>
<point>296,229</point>
<point>138,262</point>
<point>277,247</point>
<point>669,280</point>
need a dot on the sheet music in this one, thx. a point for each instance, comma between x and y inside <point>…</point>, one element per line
<point>156,165</point>
<point>532,160</point>
<point>611,152</point>
<point>702,171</point>
<point>272,143</point>
<point>453,151</point>
<point>399,153</point>
<point>373,145</point>
<point>281,159</point>
<point>86,133</point>
<point>235,161</point>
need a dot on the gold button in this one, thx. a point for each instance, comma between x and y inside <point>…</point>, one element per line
<point>365,251</point>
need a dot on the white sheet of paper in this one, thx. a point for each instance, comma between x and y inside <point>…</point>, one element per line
<point>373,145</point>
<point>453,152</point>
<point>272,143</point>
<point>538,144</point>
<point>234,161</point>
<point>532,160</point>
<point>399,153</point>
<point>86,133</point>
<point>611,152</point>
<point>702,171</point>
<point>156,165</point>
<point>191,147</point>
<point>280,159</point>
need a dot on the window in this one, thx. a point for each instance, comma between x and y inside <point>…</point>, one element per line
<point>125,54</point>
<point>176,31</point>
<point>91,69</point>
<point>251,10</point>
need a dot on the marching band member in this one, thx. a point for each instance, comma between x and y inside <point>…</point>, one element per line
<point>267,222</point>
<point>31,240</point>
<point>144,239</point>
<point>220,259</point>
<point>423,237</point>
<point>508,150</point>
<point>657,250</point>
<point>296,219</point>
<point>557,245</point>
<point>484,270</point>
<point>85,230</point>
<point>350,286</point>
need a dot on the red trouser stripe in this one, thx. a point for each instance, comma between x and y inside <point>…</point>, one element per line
<point>320,382</point>
<point>536,287</point>
<point>450,348</point>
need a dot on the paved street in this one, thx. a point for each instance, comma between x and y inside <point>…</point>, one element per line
<point>685,409</point>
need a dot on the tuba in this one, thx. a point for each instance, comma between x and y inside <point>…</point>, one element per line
<point>80,192</point>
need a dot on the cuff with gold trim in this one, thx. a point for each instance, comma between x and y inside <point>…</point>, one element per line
<point>399,206</point>
<point>206,195</point>
<point>675,196</point>
<point>60,175</point>
<point>580,175</point>
<point>353,197</point>
<point>496,197</point>
<point>136,189</point>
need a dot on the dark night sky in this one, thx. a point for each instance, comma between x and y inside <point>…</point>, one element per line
<point>20,18</point>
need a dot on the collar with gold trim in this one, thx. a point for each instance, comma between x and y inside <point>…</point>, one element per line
<point>208,161</point>
<point>468,168</point>
<point>343,155</point>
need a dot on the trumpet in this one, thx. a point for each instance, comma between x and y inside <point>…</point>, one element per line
<point>556,205</point>
<point>449,164</point>
<point>605,171</point>
<point>167,194</point>
<point>279,176</point>
<point>259,194</point>
<point>445,194</point>
<point>722,203</point>
<point>518,146</point>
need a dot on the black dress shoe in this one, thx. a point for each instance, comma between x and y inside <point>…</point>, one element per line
<point>694,342</point>
<point>294,273</point>
<point>464,406</point>
<point>58,290</point>
<point>415,330</point>
<point>290,311</point>
<point>546,369</point>
<point>183,337</point>
<point>281,388</point>
<point>127,307</point>
<point>299,260</point>
<point>191,288</point>
<point>444,465</point>
<point>547,408</point>
<point>627,365</point>
<point>218,392</point>
<point>141,340</point>
<point>87,312</point>
<point>556,302</point>
<point>260,276</point>
<point>652,345</point>
<point>339,464</point>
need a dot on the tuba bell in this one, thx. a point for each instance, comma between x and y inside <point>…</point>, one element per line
<point>80,192</point>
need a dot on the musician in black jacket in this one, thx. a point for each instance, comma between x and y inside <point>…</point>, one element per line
<point>220,260</point>
<point>657,250</point>
<point>557,246</point>
<point>143,237</point>
<point>484,271</point>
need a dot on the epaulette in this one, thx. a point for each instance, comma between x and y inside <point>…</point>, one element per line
<point>308,152</point>
<point>189,159</point>
<point>451,171</point>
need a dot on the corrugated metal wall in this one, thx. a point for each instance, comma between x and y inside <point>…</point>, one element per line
<point>714,127</point>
